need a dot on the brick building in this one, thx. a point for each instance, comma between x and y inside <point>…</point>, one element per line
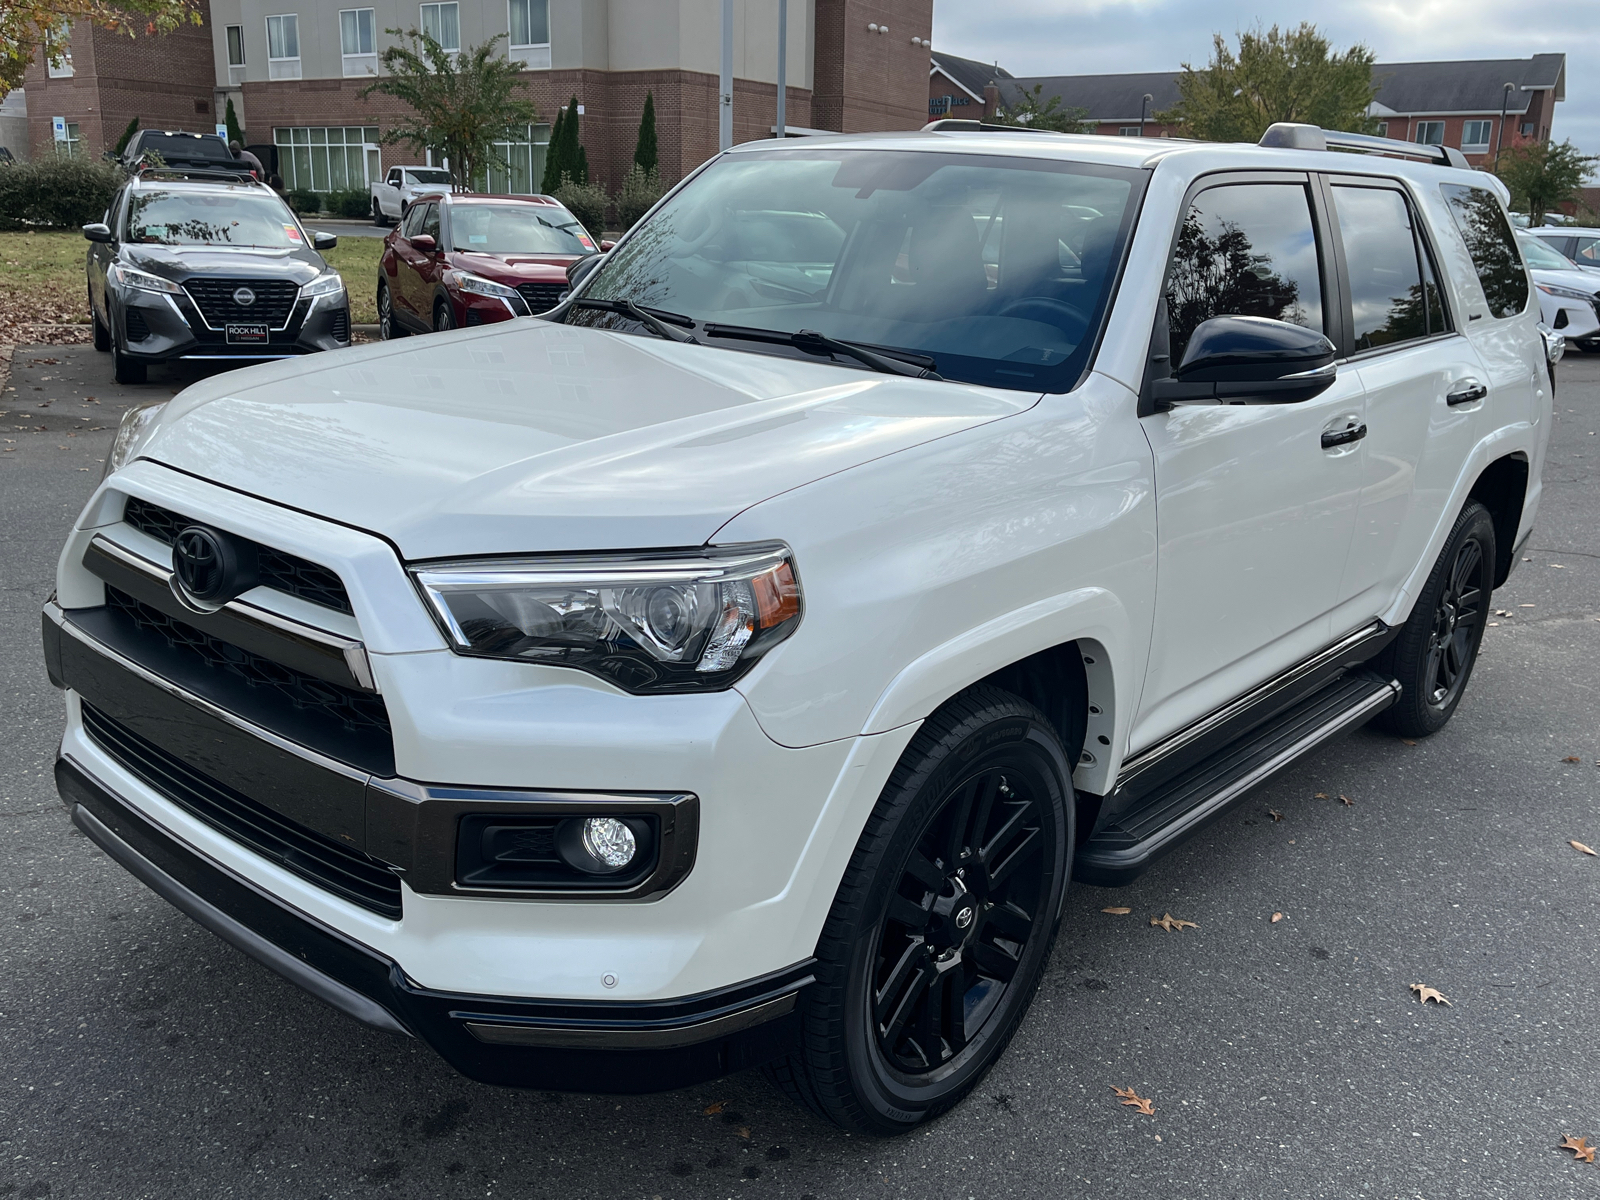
<point>295,70</point>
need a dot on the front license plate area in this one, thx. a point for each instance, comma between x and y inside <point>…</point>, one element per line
<point>247,335</point>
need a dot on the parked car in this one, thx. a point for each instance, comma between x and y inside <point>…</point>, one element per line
<point>1569,298</point>
<point>208,265</point>
<point>721,672</point>
<point>393,194</point>
<point>203,151</point>
<point>1581,245</point>
<point>474,260</point>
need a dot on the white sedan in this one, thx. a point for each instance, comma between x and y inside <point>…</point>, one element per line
<point>1568,299</point>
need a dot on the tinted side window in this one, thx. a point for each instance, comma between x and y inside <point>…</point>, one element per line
<point>1389,300</point>
<point>413,221</point>
<point>430,222</point>
<point>1492,245</point>
<point>1246,249</point>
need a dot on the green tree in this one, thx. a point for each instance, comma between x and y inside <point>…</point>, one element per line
<point>127,135</point>
<point>1544,176</point>
<point>1292,75</point>
<point>1031,110</point>
<point>27,25</point>
<point>554,168</point>
<point>461,102</point>
<point>575,159</point>
<point>645,153</point>
<point>231,118</point>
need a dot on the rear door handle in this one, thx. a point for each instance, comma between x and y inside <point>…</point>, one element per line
<point>1466,391</point>
<point>1342,437</point>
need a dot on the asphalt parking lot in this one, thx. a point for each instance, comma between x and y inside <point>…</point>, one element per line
<point>142,1057</point>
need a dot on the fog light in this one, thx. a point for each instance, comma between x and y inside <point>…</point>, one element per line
<point>598,845</point>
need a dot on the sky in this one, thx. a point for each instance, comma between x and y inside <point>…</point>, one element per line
<point>1091,37</point>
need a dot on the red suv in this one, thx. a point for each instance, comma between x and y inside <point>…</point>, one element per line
<point>470,260</point>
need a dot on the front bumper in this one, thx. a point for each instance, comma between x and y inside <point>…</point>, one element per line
<point>172,327</point>
<point>589,1046</point>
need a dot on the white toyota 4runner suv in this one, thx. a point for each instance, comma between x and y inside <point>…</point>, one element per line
<point>733,667</point>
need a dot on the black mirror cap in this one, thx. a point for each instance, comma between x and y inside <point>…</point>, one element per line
<point>580,269</point>
<point>97,232</point>
<point>324,241</point>
<point>1252,349</point>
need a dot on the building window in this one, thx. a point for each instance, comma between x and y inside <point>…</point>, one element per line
<point>442,22</point>
<point>356,42</point>
<point>1475,134</point>
<point>1527,129</point>
<point>1130,131</point>
<point>524,163</point>
<point>1383,129</point>
<point>58,53</point>
<point>1430,133</point>
<point>235,54</point>
<point>72,145</point>
<point>328,159</point>
<point>283,47</point>
<point>530,32</point>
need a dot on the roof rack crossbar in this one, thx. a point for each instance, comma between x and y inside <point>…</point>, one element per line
<point>967,125</point>
<point>242,176</point>
<point>1291,136</point>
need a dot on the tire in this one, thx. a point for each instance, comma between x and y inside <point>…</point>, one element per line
<point>1435,651</point>
<point>878,1052</point>
<point>127,370</point>
<point>443,317</point>
<point>388,327</point>
<point>102,335</point>
<point>377,214</point>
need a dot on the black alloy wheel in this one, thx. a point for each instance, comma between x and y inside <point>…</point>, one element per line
<point>943,922</point>
<point>1435,651</point>
<point>388,327</point>
<point>443,318</point>
<point>377,214</point>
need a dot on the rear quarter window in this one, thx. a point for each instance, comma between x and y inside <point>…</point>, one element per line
<point>1492,245</point>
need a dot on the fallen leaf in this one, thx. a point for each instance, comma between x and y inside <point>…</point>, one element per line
<point>1408,741</point>
<point>744,1132</point>
<point>1346,801</point>
<point>1320,796</point>
<point>1276,917</point>
<point>1424,994</point>
<point>1572,758</point>
<point>1274,814</point>
<point>1560,566</point>
<point>1492,624</point>
<point>713,1109</point>
<point>1132,1099</point>
<point>1169,922</point>
<point>1581,848</point>
<point>1117,910</point>
<point>1581,1150</point>
<point>1527,606</point>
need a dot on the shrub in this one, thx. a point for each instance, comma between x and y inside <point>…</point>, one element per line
<point>640,190</point>
<point>303,200</point>
<point>350,203</point>
<point>127,136</point>
<point>587,202</point>
<point>55,190</point>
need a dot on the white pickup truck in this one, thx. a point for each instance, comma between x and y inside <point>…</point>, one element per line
<point>392,195</point>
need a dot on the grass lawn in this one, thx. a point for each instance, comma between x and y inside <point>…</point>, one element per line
<point>45,281</point>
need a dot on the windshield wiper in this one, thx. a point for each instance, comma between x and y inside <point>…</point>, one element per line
<point>650,318</point>
<point>809,341</point>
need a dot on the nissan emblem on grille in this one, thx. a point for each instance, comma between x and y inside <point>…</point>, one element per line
<point>244,297</point>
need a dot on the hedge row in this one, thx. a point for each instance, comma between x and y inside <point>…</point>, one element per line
<point>58,191</point>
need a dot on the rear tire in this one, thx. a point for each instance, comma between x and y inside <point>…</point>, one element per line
<point>1434,654</point>
<point>943,923</point>
<point>127,370</point>
<point>377,214</point>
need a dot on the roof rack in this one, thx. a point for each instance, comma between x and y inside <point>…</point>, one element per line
<point>967,125</point>
<point>201,174</point>
<point>1287,135</point>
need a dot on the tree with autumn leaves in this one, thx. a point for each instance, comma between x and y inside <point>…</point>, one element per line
<point>26,26</point>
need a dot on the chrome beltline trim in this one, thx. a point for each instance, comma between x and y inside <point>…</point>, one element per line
<point>1148,757</point>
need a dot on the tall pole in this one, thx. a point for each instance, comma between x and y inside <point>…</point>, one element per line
<point>1500,132</point>
<point>783,63</point>
<point>725,85</point>
<point>1143,105</point>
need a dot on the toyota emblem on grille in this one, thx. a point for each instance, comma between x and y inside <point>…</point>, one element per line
<point>201,564</point>
<point>244,297</point>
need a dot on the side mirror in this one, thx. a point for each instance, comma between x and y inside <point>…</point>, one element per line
<point>1249,360</point>
<point>324,241</point>
<point>98,232</point>
<point>580,270</point>
<point>606,245</point>
<point>424,242</point>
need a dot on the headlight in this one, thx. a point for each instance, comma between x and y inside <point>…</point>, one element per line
<point>478,285</point>
<point>136,422</point>
<point>1565,293</point>
<point>684,621</point>
<point>133,277</point>
<point>324,285</point>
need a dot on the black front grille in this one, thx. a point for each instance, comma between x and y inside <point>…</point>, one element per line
<point>273,300</point>
<point>541,297</point>
<point>137,329</point>
<point>353,710</point>
<point>346,872</point>
<point>277,570</point>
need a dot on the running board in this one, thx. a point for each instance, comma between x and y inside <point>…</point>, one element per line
<point>1120,851</point>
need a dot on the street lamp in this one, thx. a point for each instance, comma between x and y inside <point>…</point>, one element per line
<point>1143,107</point>
<point>1500,133</point>
<point>783,66</point>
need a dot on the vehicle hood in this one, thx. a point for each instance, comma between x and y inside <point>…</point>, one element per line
<point>530,436</point>
<point>546,268</point>
<point>1582,281</point>
<point>180,263</point>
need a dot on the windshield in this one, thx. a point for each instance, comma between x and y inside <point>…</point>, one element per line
<point>1541,257</point>
<point>175,146</point>
<point>429,176</point>
<point>517,229</point>
<point>242,218</point>
<point>998,268</point>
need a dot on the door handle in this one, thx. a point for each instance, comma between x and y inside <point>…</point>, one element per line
<point>1466,391</point>
<point>1342,437</point>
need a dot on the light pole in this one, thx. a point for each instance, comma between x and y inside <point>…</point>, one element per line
<point>783,63</point>
<point>1143,107</point>
<point>1500,133</point>
<point>725,84</point>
